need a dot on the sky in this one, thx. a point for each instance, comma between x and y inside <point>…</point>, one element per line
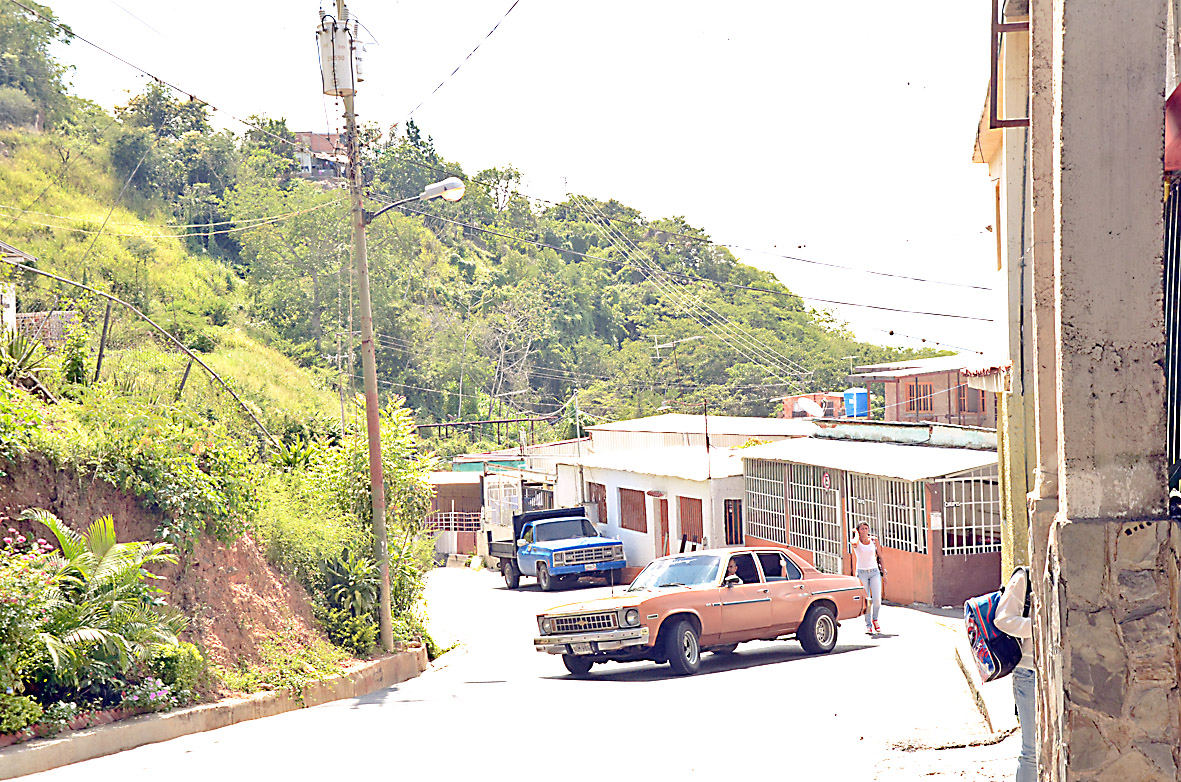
<point>838,133</point>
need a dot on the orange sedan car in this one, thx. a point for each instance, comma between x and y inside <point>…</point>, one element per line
<point>709,601</point>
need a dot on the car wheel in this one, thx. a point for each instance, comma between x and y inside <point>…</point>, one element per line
<point>727,649</point>
<point>544,579</point>
<point>818,634</point>
<point>577,664</point>
<point>682,649</point>
<point>512,574</point>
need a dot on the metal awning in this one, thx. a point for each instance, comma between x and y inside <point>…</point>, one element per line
<point>889,460</point>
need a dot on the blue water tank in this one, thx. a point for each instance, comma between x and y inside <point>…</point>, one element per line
<point>856,403</point>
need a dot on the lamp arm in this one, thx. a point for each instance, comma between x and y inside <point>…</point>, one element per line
<point>371,216</point>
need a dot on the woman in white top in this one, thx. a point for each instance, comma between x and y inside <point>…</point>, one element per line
<point>865,567</point>
<point>1012,619</point>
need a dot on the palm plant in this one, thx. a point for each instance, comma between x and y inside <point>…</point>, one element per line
<point>352,583</point>
<point>102,615</point>
<point>21,356</point>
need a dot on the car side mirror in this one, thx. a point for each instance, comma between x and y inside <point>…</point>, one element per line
<point>731,581</point>
<point>522,542</point>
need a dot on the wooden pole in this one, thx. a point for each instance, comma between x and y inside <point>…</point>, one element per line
<point>102,342</point>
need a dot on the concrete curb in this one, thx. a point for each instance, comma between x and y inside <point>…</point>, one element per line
<point>45,754</point>
<point>972,687</point>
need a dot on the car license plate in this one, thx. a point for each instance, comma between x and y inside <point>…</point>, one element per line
<point>592,566</point>
<point>581,648</point>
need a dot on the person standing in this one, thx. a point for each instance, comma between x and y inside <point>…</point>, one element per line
<point>867,570</point>
<point>1012,618</point>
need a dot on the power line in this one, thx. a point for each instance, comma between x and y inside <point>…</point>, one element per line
<point>464,62</point>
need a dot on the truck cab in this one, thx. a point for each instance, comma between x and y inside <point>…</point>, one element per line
<point>556,546</point>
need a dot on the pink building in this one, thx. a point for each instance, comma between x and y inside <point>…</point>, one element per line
<point>931,389</point>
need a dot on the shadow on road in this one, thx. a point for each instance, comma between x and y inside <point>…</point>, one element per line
<point>710,664</point>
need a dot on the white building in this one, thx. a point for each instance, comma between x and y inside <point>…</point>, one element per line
<point>673,429</point>
<point>654,498</point>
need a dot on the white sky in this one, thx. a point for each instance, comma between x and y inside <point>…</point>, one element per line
<point>837,132</point>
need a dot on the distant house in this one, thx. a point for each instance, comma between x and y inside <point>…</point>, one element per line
<point>931,389</point>
<point>822,404</point>
<point>674,429</point>
<point>656,500</point>
<point>455,511</point>
<point>320,154</point>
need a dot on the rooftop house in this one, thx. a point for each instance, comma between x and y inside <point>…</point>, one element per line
<point>931,389</point>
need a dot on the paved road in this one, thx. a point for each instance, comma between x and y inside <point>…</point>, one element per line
<point>494,707</point>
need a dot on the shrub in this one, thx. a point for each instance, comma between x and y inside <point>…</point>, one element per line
<point>351,583</point>
<point>16,108</point>
<point>18,712</point>
<point>182,667</point>
<point>74,356</point>
<point>151,694</point>
<point>24,573</point>
<point>357,634</point>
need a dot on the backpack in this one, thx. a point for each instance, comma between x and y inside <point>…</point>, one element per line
<point>996,654</point>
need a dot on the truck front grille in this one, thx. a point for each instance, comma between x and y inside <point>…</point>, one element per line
<point>581,556</point>
<point>585,623</point>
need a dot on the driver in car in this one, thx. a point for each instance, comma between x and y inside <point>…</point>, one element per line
<point>732,570</point>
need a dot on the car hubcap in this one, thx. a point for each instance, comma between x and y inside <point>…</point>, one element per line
<point>689,647</point>
<point>824,631</point>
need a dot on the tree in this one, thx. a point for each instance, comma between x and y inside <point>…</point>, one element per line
<point>156,110</point>
<point>25,61</point>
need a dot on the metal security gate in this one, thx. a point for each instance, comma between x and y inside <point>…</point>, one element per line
<point>814,517</point>
<point>1173,330</point>
<point>894,509</point>
<point>972,513</point>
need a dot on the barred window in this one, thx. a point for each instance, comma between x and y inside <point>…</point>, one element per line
<point>970,400</point>
<point>733,513</point>
<point>972,513</point>
<point>633,513</point>
<point>814,515</point>
<point>920,397</point>
<point>764,507</point>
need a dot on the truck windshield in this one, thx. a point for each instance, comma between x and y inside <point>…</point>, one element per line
<point>681,571</point>
<point>566,528</point>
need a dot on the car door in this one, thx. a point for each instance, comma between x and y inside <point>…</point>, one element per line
<point>528,555</point>
<point>745,607</point>
<point>789,594</point>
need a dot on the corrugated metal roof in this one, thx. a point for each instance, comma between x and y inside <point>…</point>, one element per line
<point>683,423</point>
<point>922,366</point>
<point>890,460</point>
<point>674,462</point>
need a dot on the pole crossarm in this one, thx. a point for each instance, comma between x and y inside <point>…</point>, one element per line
<point>193,356</point>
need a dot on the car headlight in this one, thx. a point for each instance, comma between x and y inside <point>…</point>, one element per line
<point>546,625</point>
<point>631,617</point>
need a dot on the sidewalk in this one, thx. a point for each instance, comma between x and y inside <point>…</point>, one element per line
<point>959,753</point>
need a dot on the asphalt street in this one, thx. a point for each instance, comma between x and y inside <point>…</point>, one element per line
<point>493,707</point>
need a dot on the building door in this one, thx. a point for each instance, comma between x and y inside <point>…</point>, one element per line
<point>662,528</point>
<point>690,521</point>
<point>733,513</point>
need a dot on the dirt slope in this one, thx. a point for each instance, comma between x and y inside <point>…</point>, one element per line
<point>234,598</point>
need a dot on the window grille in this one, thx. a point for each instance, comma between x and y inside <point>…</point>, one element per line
<point>970,400</point>
<point>733,513</point>
<point>894,509</point>
<point>765,501</point>
<point>972,513</point>
<point>814,520</point>
<point>920,397</point>
<point>633,513</point>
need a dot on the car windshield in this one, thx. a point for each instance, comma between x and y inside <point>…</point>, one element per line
<point>566,528</point>
<point>680,571</point>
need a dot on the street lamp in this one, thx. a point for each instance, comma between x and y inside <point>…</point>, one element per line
<point>450,189</point>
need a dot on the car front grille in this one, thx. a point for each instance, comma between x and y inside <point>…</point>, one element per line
<point>582,556</point>
<point>585,623</point>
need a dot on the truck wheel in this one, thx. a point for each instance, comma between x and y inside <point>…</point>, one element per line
<point>512,575</point>
<point>682,649</point>
<point>818,633</point>
<point>577,664</point>
<point>544,579</point>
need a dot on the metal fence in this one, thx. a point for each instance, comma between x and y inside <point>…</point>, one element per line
<point>453,521</point>
<point>815,521</point>
<point>972,513</point>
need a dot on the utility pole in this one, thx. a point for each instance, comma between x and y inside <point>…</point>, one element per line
<point>368,354</point>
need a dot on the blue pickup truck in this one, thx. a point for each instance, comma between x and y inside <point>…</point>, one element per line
<point>559,545</point>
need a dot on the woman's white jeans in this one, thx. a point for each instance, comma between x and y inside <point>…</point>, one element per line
<point>872,581</point>
<point>1024,683</point>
